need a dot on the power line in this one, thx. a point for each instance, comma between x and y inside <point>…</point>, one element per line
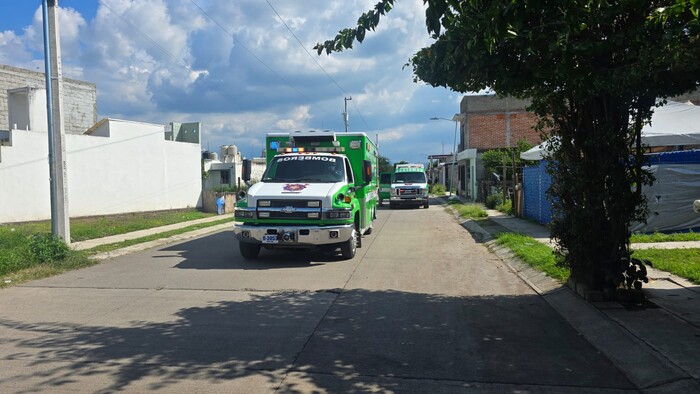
<point>256,57</point>
<point>315,61</point>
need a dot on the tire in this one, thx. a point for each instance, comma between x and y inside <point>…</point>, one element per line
<point>427,204</point>
<point>349,247</point>
<point>249,251</point>
<point>368,231</point>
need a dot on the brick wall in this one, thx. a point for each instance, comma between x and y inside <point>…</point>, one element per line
<point>487,125</point>
<point>489,131</point>
<point>79,98</point>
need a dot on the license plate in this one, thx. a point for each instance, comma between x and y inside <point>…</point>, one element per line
<point>269,239</point>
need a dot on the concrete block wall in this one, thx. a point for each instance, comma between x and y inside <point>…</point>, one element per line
<point>79,99</point>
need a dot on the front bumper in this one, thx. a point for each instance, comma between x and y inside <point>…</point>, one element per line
<point>409,200</point>
<point>291,236</point>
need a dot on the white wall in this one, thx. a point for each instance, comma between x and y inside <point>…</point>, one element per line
<point>130,168</point>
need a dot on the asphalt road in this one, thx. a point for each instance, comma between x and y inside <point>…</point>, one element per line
<point>422,308</point>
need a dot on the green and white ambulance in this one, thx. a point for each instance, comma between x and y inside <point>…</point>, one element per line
<point>409,186</point>
<point>385,186</point>
<point>319,191</point>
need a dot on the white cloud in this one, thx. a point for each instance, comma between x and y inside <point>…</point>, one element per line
<point>162,61</point>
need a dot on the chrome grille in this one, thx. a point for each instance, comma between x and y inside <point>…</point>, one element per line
<point>408,192</point>
<point>289,203</point>
<point>288,209</point>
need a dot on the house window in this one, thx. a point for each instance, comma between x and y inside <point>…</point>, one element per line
<point>226,177</point>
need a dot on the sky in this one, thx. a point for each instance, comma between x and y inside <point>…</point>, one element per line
<point>244,68</point>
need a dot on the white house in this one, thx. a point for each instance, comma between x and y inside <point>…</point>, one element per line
<point>116,166</point>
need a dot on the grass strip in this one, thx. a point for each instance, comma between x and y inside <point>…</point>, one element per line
<point>167,234</point>
<point>534,253</point>
<point>661,237</point>
<point>74,260</point>
<point>19,264</point>
<point>681,262</point>
<point>98,227</point>
<point>468,211</point>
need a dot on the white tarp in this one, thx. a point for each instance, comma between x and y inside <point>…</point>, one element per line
<point>673,124</point>
<point>670,199</point>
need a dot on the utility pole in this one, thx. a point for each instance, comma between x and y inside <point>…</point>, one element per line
<point>60,224</point>
<point>345,114</point>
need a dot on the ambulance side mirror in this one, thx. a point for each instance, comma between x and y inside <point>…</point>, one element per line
<point>367,172</point>
<point>245,170</point>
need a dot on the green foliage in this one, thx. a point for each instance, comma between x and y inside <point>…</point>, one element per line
<point>46,248</point>
<point>493,200</point>
<point>593,71</point>
<point>495,159</point>
<point>682,262</point>
<point>29,251</point>
<point>384,164</point>
<point>21,250</point>
<point>469,211</point>
<point>506,207</point>
<point>661,237</point>
<point>437,189</point>
<point>534,253</point>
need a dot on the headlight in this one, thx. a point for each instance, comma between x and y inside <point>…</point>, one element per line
<point>264,203</point>
<point>240,213</point>
<point>339,214</point>
<point>313,204</point>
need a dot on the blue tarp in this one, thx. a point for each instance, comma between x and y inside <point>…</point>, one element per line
<point>536,181</point>
<point>669,200</point>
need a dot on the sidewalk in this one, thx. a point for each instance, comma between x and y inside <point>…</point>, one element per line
<point>657,348</point>
<point>92,243</point>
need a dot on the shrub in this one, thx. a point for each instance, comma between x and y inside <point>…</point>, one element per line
<point>492,201</point>
<point>46,248</point>
<point>471,211</point>
<point>437,189</point>
<point>506,207</point>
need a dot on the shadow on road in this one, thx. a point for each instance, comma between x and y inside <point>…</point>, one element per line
<point>199,254</point>
<point>366,339</point>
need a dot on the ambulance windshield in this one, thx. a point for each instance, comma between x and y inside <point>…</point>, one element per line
<point>305,168</point>
<point>409,177</point>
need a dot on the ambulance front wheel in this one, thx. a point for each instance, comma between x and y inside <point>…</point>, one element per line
<point>249,251</point>
<point>349,247</point>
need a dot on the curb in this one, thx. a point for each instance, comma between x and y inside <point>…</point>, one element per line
<point>646,368</point>
<point>160,242</point>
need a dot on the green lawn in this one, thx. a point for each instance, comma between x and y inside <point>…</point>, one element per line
<point>534,253</point>
<point>123,244</point>
<point>29,252</point>
<point>681,262</point>
<point>659,237</point>
<point>82,229</point>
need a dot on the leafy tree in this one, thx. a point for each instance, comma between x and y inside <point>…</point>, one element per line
<point>385,164</point>
<point>495,159</point>
<point>593,70</point>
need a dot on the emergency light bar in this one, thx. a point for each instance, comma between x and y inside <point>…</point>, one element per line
<point>333,149</point>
